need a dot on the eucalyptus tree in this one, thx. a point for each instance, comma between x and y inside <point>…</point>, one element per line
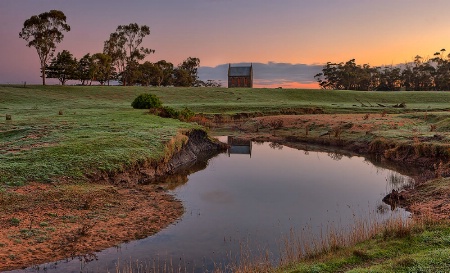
<point>43,32</point>
<point>63,67</point>
<point>124,47</point>
<point>102,68</point>
<point>390,78</point>
<point>167,73</point>
<point>150,74</point>
<point>442,72</point>
<point>186,73</point>
<point>115,48</point>
<point>182,78</point>
<point>423,73</point>
<point>84,69</point>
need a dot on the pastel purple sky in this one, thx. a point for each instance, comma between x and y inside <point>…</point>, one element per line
<point>289,40</point>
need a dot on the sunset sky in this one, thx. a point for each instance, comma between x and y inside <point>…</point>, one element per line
<point>287,40</point>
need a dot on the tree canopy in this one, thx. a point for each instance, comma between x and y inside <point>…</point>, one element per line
<point>418,75</point>
<point>186,73</point>
<point>43,32</point>
<point>124,48</point>
<point>63,67</point>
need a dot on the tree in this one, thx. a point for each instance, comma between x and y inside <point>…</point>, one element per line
<point>150,74</point>
<point>186,72</point>
<point>131,74</point>
<point>63,67</point>
<point>43,32</point>
<point>191,64</point>
<point>389,79</point>
<point>182,78</point>
<point>134,35</point>
<point>102,68</point>
<point>84,69</point>
<point>442,72</point>
<point>167,73</point>
<point>115,48</point>
<point>123,47</point>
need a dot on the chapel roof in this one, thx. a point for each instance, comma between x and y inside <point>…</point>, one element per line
<point>240,71</point>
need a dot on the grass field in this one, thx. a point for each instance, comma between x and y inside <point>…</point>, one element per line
<point>68,132</point>
<point>58,132</point>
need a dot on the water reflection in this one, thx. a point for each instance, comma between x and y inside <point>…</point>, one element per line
<point>239,146</point>
<point>257,200</point>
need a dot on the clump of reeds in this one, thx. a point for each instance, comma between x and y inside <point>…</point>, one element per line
<point>303,246</point>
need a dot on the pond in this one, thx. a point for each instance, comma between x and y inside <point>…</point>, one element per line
<point>246,201</point>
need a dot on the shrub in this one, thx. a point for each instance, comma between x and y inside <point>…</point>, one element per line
<point>14,222</point>
<point>146,101</point>
<point>185,114</point>
<point>168,112</point>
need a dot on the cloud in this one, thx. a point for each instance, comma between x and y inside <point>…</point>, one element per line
<point>269,74</point>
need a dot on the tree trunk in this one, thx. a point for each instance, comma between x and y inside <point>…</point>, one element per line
<point>43,75</point>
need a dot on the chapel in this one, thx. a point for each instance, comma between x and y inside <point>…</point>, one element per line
<point>240,76</point>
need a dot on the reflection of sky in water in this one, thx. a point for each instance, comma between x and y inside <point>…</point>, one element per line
<point>258,199</point>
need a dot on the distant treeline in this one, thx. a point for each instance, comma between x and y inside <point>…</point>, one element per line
<point>120,60</point>
<point>420,75</point>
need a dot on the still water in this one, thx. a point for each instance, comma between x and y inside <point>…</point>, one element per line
<point>254,196</point>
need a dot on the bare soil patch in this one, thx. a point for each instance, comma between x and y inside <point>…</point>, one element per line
<point>42,223</point>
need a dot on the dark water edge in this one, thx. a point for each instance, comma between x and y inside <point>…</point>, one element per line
<point>247,203</point>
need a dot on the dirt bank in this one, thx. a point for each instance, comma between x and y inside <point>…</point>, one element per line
<point>48,222</point>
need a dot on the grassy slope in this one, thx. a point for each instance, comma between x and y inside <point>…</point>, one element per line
<point>97,130</point>
<point>220,100</point>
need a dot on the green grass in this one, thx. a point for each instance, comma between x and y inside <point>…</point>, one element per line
<point>425,249</point>
<point>98,130</point>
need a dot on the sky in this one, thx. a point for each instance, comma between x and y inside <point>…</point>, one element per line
<point>288,41</point>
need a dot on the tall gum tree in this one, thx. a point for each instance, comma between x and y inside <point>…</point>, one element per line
<point>124,48</point>
<point>43,32</point>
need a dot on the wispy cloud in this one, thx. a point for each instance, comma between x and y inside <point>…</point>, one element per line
<point>269,74</point>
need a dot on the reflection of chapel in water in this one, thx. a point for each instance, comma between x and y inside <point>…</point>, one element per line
<point>239,146</point>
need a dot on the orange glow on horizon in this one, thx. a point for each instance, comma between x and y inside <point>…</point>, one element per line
<point>290,85</point>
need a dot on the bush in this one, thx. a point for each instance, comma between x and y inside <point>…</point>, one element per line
<point>146,101</point>
<point>185,114</point>
<point>14,222</point>
<point>168,112</point>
